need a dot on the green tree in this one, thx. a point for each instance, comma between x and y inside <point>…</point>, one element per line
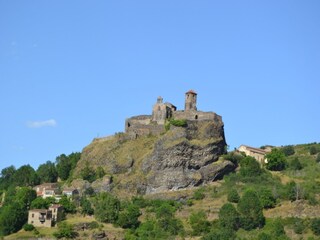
<point>295,164</point>
<point>250,210</point>
<point>288,150</point>
<point>86,207</point>
<point>128,218</point>
<point>229,217</point>
<point>65,230</point>
<point>6,178</point>
<point>313,150</point>
<point>42,203</point>
<point>315,226</point>
<point>266,198</point>
<point>249,167</point>
<point>293,191</point>
<point>107,207</point>
<point>26,176</point>
<point>68,204</point>
<point>87,173</point>
<point>47,172</point>
<point>12,218</point>
<point>199,223</point>
<point>25,196</point>
<point>276,160</point>
<point>264,236</point>
<point>220,234</point>
<point>66,164</point>
<point>233,196</point>
<point>277,228</point>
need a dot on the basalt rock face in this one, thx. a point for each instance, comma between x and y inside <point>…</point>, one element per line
<point>187,157</point>
<point>180,158</point>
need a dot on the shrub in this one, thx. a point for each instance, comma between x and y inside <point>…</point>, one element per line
<point>229,217</point>
<point>266,198</point>
<point>250,167</point>
<point>107,208</point>
<point>299,226</point>
<point>315,226</point>
<point>199,223</point>
<point>199,194</point>
<point>288,150</point>
<point>295,164</point>
<point>276,160</point>
<point>28,227</point>
<point>65,230</point>
<point>233,196</point>
<point>264,236</point>
<point>178,122</point>
<point>277,228</point>
<point>93,225</point>
<point>250,210</point>
<point>318,158</point>
<point>313,150</point>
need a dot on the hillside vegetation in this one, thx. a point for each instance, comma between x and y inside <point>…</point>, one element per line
<point>249,203</point>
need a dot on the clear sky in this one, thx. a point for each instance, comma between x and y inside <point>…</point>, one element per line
<point>74,70</point>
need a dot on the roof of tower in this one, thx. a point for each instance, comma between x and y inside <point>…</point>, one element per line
<point>192,91</point>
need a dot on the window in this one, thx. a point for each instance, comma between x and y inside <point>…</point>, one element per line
<point>32,215</point>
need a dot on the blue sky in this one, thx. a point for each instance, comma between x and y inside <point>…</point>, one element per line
<point>74,70</point>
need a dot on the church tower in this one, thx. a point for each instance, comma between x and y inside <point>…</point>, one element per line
<point>190,101</point>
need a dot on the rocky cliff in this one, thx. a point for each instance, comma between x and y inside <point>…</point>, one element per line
<point>181,157</point>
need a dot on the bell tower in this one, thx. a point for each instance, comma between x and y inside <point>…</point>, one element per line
<point>190,101</point>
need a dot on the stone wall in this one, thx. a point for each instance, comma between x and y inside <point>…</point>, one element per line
<point>142,125</point>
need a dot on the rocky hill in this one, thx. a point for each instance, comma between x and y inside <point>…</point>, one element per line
<point>179,158</point>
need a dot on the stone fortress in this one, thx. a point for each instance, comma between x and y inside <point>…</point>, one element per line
<point>154,124</point>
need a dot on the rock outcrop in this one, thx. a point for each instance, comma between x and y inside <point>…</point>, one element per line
<point>180,158</point>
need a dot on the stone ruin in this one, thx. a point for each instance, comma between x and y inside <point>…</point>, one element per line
<point>154,124</point>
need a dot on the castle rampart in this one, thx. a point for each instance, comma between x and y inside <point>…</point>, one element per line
<point>161,112</point>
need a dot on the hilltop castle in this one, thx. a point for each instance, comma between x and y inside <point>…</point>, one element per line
<point>154,124</point>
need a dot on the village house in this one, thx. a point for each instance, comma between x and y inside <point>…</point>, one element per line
<point>70,192</point>
<point>45,217</point>
<point>257,153</point>
<point>47,190</point>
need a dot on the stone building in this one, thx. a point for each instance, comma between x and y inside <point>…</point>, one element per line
<point>257,153</point>
<point>161,112</point>
<point>190,101</point>
<point>45,217</point>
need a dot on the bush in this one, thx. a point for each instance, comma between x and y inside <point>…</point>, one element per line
<point>199,194</point>
<point>295,164</point>
<point>277,228</point>
<point>199,223</point>
<point>299,226</point>
<point>266,198</point>
<point>315,226</point>
<point>250,210</point>
<point>65,230</point>
<point>249,167</point>
<point>264,236</point>
<point>28,227</point>
<point>318,158</point>
<point>233,196</point>
<point>94,225</point>
<point>178,122</point>
<point>313,150</point>
<point>276,160</point>
<point>229,217</point>
<point>288,150</point>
